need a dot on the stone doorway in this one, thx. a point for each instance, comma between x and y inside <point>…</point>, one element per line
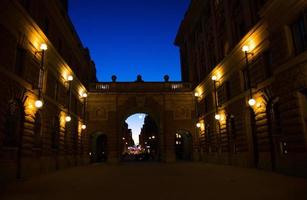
<point>183,145</point>
<point>99,148</point>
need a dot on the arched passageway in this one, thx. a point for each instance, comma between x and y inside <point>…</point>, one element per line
<point>99,148</point>
<point>183,145</point>
<point>140,139</point>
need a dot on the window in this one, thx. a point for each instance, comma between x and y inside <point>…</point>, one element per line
<point>46,26</point>
<point>20,61</point>
<point>223,93</point>
<point>26,4</point>
<point>299,32</point>
<point>239,26</point>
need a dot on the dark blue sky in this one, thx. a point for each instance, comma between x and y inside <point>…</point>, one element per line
<point>130,37</point>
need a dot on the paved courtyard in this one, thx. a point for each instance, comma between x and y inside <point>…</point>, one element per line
<point>159,181</point>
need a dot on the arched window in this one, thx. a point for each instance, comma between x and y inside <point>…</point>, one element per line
<point>14,119</point>
<point>38,130</point>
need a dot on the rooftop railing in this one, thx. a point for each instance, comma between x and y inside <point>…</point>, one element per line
<point>105,87</point>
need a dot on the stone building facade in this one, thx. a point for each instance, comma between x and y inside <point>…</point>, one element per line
<point>248,63</point>
<point>37,140</point>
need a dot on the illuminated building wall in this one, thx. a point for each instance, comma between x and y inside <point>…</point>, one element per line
<point>35,139</point>
<point>248,63</point>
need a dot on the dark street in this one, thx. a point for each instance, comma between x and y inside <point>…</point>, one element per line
<point>159,181</point>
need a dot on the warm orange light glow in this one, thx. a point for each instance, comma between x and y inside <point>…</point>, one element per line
<point>198,125</point>
<point>83,127</point>
<point>251,102</point>
<point>43,47</point>
<point>245,48</point>
<point>214,77</point>
<point>38,103</point>
<point>217,117</point>
<point>196,94</point>
<point>70,78</point>
<point>67,118</point>
<point>84,95</point>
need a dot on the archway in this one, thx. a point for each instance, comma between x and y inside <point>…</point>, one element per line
<point>183,145</point>
<point>99,148</point>
<point>140,138</point>
<point>14,127</point>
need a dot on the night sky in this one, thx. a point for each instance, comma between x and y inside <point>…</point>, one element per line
<point>130,37</point>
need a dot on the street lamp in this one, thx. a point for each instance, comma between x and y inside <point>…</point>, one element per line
<point>247,52</point>
<point>69,80</point>
<point>68,118</point>
<point>214,79</point>
<point>217,117</point>
<point>84,96</point>
<point>39,102</point>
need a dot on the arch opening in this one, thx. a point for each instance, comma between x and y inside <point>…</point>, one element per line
<point>140,138</point>
<point>183,145</point>
<point>99,148</point>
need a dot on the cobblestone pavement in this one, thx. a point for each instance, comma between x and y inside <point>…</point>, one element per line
<point>159,181</point>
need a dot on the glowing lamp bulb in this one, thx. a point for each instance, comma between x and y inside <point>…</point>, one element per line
<point>196,94</point>
<point>70,78</point>
<point>38,103</point>
<point>245,48</point>
<point>251,102</point>
<point>68,118</point>
<point>43,47</point>
<point>217,117</point>
<point>214,78</point>
<point>83,126</point>
<point>198,125</point>
<point>84,95</point>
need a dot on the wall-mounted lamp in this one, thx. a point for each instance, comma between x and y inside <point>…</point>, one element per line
<point>70,78</point>
<point>84,95</point>
<point>217,116</point>
<point>247,52</point>
<point>39,101</point>
<point>196,94</point>
<point>43,47</point>
<point>83,127</point>
<point>251,102</point>
<point>67,118</point>
<point>214,78</point>
<point>198,125</point>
